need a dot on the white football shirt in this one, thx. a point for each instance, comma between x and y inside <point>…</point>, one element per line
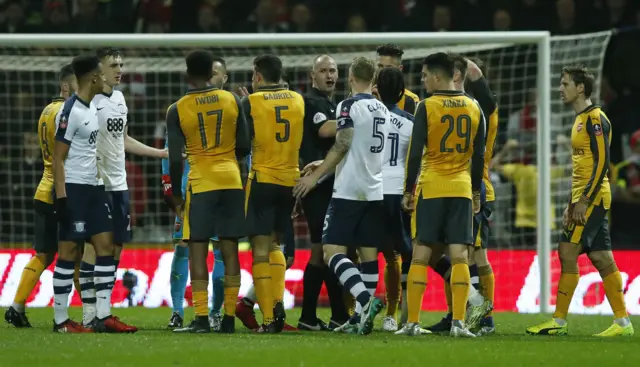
<point>359,174</point>
<point>77,125</point>
<point>396,148</point>
<point>112,117</point>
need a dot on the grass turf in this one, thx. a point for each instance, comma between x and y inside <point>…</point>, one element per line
<point>154,345</point>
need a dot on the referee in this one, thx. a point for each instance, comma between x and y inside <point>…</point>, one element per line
<point>319,137</point>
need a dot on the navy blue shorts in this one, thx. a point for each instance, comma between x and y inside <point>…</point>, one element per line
<point>354,223</point>
<point>398,226</point>
<point>87,213</point>
<point>119,205</point>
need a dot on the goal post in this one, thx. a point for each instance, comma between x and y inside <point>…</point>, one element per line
<point>517,62</point>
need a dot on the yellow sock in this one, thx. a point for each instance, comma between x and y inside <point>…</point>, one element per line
<point>566,286</point>
<point>30,276</point>
<point>392,284</point>
<point>264,291</point>
<point>278,266</point>
<point>447,293</point>
<point>487,284</point>
<point>615,294</point>
<point>231,289</point>
<point>416,285</point>
<point>460,283</point>
<point>200,297</point>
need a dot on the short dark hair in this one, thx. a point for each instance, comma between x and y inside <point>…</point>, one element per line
<point>85,64</point>
<point>459,63</point>
<point>221,60</point>
<point>363,69</point>
<point>65,72</point>
<point>580,74</point>
<point>390,50</point>
<point>108,51</point>
<point>199,64</point>
<point>390,84</point>
<point>270,67</point>
<point>441,62</point>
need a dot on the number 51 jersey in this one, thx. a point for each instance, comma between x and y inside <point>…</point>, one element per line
<point>359,174</point>
<point>112,117</point>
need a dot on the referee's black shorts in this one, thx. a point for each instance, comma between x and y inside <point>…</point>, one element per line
<point>315,206</point>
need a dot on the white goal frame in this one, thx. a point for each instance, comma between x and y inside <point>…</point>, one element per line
<point>541,38</point>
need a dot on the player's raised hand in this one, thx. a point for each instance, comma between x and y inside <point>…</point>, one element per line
<point>304,186</point>
<point>309,168</point>
<point>243,91</point>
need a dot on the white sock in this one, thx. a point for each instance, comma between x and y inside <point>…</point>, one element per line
<point>18,307</point>
<point>623,321</point>
<point>62,285</point>
<point>475,298</point>
<point>560,322</point>
<point>251,294</point>
<point>104,277</point>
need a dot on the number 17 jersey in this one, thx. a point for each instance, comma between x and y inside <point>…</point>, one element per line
<point>396,148</point>
<point>452,120</point>
<point>359,174</point>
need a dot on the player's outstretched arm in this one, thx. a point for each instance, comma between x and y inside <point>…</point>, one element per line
<point>175,141</point>
<point>133,146</point>
<point>416,147</point>
<point>599,144</point>
<point>245,130</point>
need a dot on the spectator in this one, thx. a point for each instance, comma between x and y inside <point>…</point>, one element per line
<point>566,22</point>
<point>264,19</point>
<point>442,18</point>
<point>14,20</point>
<point>56,18</point>
<point>89,20</point>
<point>300,19</point>
<point>208,21</point>
<point>154,16</point>
<point>626,196</point>
<point>501,20</point>
<point>356,23</point>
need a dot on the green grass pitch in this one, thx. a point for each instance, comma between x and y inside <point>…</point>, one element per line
<point>155,346</point>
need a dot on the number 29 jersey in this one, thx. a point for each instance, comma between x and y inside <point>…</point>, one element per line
<point>112,117</point>
<point>359,174</point>
<point>453,120</point>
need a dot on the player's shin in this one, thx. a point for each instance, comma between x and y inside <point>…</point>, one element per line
<point>416,286</point>
<point>104,278</point>
<point>262,281</point>
<point>613,287</point>
<point>217,280</point>
<point>62,284</point>
<point>569,278</point>
<point>179,276</point>
<point>87,292</point>
<point>487,278</point>
<point>460,281</point>
<point>392,279</point>
<point>28,280</point>
<point>229,249</point>
<point>348,275</point>
<point>278,266</point>
<point>198,251</point>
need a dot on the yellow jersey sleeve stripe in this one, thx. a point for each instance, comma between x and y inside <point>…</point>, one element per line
<point>599,144</point>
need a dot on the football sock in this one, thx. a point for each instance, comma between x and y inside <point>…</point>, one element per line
<point>200,297</point>
<point>217,281</point>
<point>76,277</point>
<point>116,263</point>
<point>251,294</point>
<point>566,286</point>
<point>87,292</point>
<point>392,278</point>
<point>28,280</point>
<point>443,268</point>
<point>179,277</point>
<point>416,285</point>
<point>104,277</point>
<point>487,284</point>
<point>614,290</point>
<point>311,285</point>
<point>350,279</point>
<point>448,295</point>
<point>339,312</point>
<point>405,273</point>
<point>263,284</point>
<point>475,297</point>
<point>369,274</point>
<point>231,289</point>
<point>62,284</point>
<point>278,266</point>
<point>460,280</point>
<point>473,274</point>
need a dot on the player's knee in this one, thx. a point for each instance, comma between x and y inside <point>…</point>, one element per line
<point>568,254</point>
<point>46,258</point>
<point>260,258</point>
<point>391,257</point>
<point>275,246</point>
<point>368,254</point>
<point>67,251</point>
<point>603,261</point>
<point>317,256</point>
<point>480,257</point>
<point>330,251</point>
<point>459,254</point>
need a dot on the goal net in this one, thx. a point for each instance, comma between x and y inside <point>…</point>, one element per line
<point>154,78</point>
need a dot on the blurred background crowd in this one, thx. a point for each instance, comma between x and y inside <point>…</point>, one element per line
<point>23,95</point>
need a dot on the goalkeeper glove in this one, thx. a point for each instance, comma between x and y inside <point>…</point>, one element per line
<point>167,191</point>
